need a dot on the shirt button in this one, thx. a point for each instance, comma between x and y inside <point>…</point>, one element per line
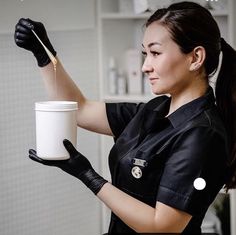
<point>136,172</point>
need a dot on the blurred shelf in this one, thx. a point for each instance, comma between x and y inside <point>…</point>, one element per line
<point>120,15</point>
<point>116,16</point>
<point>128,98</point>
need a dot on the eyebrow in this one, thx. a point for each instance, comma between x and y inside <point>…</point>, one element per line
<point>152,44</point>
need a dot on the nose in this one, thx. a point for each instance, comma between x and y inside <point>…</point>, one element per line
<point>147,66</point>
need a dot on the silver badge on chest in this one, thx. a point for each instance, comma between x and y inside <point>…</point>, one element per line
<point>136,172</point>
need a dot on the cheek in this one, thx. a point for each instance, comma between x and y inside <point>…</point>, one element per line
<point>173,67</point>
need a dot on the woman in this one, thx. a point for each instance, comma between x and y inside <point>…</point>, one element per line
<point>163,146</point>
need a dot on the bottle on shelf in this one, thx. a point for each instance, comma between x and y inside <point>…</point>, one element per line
<point>121,83</point>
<point>112,77</point>
<point>133,60</point>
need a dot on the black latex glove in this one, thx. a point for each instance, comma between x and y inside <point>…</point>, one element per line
<point>77,165</point>
<point>25,38</point>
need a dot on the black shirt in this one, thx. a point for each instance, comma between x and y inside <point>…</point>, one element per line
<point>157,158</point>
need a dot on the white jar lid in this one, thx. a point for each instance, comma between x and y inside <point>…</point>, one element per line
<point>56,106</point>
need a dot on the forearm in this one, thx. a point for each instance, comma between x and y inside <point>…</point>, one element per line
<point>60,86</point>
<point>136,214</point>
<point>91,115</point>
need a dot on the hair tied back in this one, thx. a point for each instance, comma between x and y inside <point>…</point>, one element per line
<point>222,43</point>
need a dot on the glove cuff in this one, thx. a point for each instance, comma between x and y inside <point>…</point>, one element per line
<point>92,180</point>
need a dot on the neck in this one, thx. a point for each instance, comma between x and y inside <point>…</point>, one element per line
<point>186,96</point>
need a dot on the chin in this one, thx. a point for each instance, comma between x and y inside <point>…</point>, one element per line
<point>158,91</point>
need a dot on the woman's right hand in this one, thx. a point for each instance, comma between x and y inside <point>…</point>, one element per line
<point>25,38</point>
<point>91,114</point>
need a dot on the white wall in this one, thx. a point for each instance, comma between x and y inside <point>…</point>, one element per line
<point>35,199</point>
<point>56,14</point>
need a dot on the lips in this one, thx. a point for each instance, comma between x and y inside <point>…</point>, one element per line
<point>152,80</point>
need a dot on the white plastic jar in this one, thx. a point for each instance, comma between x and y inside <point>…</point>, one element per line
<point>55,121</point>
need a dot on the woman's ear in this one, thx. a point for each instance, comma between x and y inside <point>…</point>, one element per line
<point>197,59</point>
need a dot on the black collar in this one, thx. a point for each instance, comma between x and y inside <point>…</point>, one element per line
<point>185,112</point>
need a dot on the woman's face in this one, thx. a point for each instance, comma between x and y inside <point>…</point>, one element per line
<point>167,68</point>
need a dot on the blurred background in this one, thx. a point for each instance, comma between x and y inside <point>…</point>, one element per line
<point>98,42</point>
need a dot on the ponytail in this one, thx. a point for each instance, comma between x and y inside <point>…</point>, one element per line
<point>186,22</point>
<point>226,102</point>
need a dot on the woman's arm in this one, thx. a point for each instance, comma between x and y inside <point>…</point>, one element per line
<point>91,114</point>
<point>136,214</point>
<point>141,217</point>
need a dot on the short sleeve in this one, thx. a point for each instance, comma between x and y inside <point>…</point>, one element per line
<point>200,152</point>
<point>120,114</point>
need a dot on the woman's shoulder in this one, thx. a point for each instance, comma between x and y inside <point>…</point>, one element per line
<point>210,119</point>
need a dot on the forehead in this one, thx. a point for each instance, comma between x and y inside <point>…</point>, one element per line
<point>156,32</point>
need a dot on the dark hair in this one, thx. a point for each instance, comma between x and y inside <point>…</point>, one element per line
<point>191,25</point>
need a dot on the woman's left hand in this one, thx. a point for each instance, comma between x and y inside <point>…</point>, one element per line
<point>77,165</point>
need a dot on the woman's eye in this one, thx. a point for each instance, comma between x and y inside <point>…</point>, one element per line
<point>144,53</point>
<point>155,53</point>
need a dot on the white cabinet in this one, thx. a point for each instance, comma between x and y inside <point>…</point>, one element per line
<point>118,32</point>
<point>120,29</point>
